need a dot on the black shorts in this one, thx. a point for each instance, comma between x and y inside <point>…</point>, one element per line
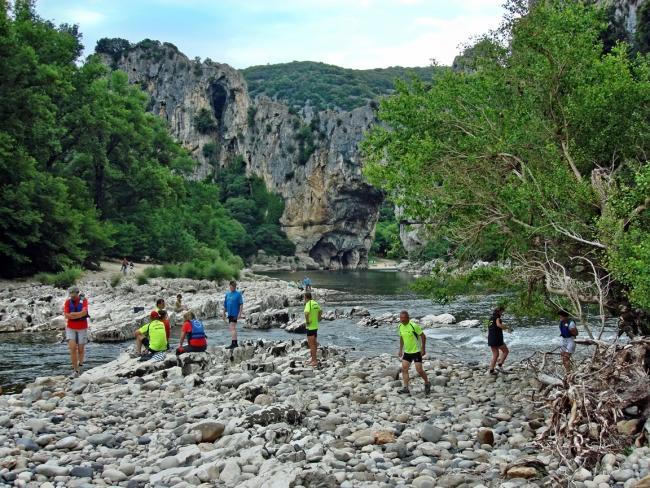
<point>232,319</point>
<point>312,332</point>
<point>412,357</point>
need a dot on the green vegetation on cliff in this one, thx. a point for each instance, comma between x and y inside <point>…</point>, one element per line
<point>537,148</point>
<point>326,86</point>
<point>87,172</point>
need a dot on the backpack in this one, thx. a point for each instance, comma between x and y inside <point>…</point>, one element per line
<point>198,331</point>
<point>564,329</point>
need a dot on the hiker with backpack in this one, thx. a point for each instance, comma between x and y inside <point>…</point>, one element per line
<point>412,342</point>
<point>194,331</point>
<point>568,332</point>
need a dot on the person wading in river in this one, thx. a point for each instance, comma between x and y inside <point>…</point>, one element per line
<point>413,342</point>
<point>313,315</point>
<point>495,339</point>
<point>75,310</point>
<point>233,306</point>
<point>568,332</point>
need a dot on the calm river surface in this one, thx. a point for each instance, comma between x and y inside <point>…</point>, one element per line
<point>26,356</point>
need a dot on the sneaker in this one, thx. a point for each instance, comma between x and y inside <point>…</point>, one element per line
<point>81,368</point>
<point>231,346</point>
<point>492,372</point>
<point>404,391</point>
<point>73,374</point>
<point>427,388</point>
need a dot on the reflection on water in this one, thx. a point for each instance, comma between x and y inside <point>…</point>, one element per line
<point>26,356</point>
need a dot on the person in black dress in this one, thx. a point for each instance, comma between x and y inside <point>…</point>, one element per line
<point>495,339</point>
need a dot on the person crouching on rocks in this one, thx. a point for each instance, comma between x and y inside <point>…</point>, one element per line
<point>495,339</point>
<point>313,315</point>
<point>151,335</point>
<point>413,342</point>
<point>194,330</point>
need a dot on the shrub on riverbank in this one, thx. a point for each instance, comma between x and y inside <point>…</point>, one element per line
<point>63,279</point>
<point>214,270</point>
<point>443,286</point>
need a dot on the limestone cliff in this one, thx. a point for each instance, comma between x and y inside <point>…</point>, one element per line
<point>311,159</point>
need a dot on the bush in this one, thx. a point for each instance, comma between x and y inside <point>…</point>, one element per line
<point>64,279</point>
<point>445,286</point>
<point>213,268</point>
<point>115,280</point>
<point>204,122</point>
<point>141,279</point>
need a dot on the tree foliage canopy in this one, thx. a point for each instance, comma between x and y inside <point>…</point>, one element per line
<point>537,148</point>
<point>87,172</point>
<point>326,86</point>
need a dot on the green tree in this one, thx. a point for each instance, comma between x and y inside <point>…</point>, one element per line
<point>523,151</point>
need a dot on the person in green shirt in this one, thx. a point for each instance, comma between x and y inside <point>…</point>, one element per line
<point>412,342</point>
<point>152,335</point>
<point>313,314</point>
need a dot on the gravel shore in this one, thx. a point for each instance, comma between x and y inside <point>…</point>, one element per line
<point>256,417</point>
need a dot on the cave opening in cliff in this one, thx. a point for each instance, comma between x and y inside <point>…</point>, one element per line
<point>218,98</point>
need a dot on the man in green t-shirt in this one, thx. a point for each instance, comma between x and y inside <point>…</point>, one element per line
<point>313,314</point>
<point>152,335</point>
<point>413,342</point>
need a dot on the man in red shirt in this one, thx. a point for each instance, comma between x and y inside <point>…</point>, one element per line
<point>75,310</point>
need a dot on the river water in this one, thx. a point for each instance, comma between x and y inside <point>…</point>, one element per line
<point>27,356</point>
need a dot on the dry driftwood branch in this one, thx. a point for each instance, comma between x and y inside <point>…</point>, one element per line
<point>587,405</point>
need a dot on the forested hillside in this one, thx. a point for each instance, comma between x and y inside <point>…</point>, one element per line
<point>537,151</point>
<point>87,172</point>
<point>326,86</point>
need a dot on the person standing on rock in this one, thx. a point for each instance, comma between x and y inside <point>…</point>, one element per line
<point>306,283</point>
<point>313,315</point>
<point>160,308</point>
<point>568,332</point>
<point>412,342</point>
<point>75,310</point>
<point>495,339</point>
<point>233,306</point>
<point>194,330</point>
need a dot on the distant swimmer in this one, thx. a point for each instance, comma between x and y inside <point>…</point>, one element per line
<point>495,339</point>
<point>75,310</point>
<point>412,342</point>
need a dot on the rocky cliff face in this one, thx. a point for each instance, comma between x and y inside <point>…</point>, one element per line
<point>311,159</point>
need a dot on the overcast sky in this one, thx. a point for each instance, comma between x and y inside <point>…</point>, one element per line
<point>349,33</point>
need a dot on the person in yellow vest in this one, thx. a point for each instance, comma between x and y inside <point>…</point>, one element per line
<point>413,342</point>
<point>313,315</point>
<point>151,335</point>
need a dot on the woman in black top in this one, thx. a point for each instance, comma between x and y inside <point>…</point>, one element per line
<point>495,339</point>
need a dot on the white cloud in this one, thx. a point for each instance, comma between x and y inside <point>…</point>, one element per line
<point>83,17</point>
